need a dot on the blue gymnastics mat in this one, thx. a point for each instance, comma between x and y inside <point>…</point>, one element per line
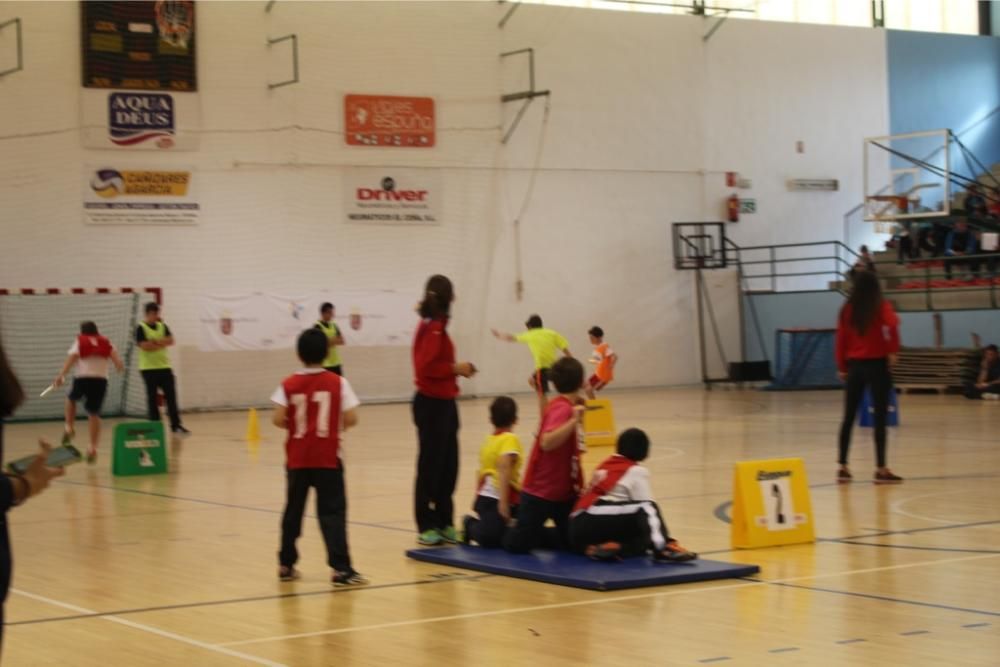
<point>566,569</point>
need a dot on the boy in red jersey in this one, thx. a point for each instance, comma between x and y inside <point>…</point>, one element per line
<point>553,477</point>
<point>315,405</point>
<point>90,354</point>
<point>616,516</point>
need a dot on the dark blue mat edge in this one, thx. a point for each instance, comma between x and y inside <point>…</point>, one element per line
<point>439,556</point>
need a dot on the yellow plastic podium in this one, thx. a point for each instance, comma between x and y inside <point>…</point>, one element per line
<point>771,504</point>
<point>599,423</point>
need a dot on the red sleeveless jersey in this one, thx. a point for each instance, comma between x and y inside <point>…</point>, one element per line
<point>603,480</point>
<point>93,346</point>
<point>313,420</point>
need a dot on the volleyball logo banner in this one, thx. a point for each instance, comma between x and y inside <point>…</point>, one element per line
<point>140,121</point>
<point>260,321</point>
<point>130,196</point>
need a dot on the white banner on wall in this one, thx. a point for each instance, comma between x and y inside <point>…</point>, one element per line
<point>261,321</point>
<point>391,196</point>
<point>123,195</point>
<point>140,120</point>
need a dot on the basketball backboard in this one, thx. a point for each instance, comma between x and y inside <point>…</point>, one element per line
<point>907,176</point>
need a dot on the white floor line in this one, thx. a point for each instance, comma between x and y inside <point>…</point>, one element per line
<point>897,507</point>
<point>601,600</point>
<point>147,628</point>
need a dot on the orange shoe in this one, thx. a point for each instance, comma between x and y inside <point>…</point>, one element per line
<point>606,551</point>
<point>674,553</point>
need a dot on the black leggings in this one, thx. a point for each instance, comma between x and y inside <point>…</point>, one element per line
<point>874,374</point>
<point>331,510</point>
<point>437,463</point>
<point>637,526</point>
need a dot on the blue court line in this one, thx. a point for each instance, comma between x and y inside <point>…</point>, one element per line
<point>915,632</point>
<point>851,641</point>
<point>975,625</point>
<point>885,598</point>
<point>784,650</point>
<point>719,659</point>
<point>904,546</point>
<point>216,503</point>
<point>908,531</point>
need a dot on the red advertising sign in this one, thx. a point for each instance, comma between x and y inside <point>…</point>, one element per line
<point>383,120</point>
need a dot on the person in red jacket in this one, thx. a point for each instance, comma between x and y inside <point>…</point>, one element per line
<point>866,346</point>
<point>435,414</point>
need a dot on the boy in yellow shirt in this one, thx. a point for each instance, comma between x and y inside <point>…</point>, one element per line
<point>546,346</point>
<point>498,481</point>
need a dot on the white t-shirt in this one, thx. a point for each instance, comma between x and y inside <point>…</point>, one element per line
<point>90,367</point>
<point>348,399</point>
<point>632,487</point>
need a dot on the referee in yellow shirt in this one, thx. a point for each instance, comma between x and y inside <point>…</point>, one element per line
<point>546,347</point>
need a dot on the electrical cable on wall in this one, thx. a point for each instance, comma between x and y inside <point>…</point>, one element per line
<point>532,177</point>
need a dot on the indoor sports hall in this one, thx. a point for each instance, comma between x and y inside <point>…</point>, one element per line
<point>758,231</point>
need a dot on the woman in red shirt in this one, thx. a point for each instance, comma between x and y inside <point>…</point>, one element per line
<point>435,414</point>
<point>867,343</point>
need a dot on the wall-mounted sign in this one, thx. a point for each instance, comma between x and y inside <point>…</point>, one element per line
<point>388,121</point>
<point>748,206</point>
<point>123,195</point>
<point>814,184</point>
<point>373,195</point>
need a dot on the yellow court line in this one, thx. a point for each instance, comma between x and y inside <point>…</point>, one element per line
<point>601,600</point>
<point>156,631</point>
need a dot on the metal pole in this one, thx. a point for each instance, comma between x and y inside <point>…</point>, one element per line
<point>701,327</point>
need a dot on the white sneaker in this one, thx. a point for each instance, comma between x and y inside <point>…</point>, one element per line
<point>992,397</point>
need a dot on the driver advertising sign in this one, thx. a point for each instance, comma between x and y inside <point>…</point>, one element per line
<point>388,121</point>
<point>390,196</point>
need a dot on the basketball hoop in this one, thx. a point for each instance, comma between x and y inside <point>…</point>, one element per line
<point>175,21</point>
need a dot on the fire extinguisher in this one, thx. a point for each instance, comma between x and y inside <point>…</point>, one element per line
<point>733,208</point>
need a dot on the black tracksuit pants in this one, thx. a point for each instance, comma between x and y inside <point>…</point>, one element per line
<point>437,425</point>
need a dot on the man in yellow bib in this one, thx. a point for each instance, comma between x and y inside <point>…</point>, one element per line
<point>546,347</point>
<point>333,338</point>
<point>153,338</point>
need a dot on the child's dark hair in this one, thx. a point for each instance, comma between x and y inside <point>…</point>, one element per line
<point>534,322</point>
<point>438,295</point>
<point>567,375</point>
<point>312,346</point>
<point>633,444</point>
<point>325,308</point>
<point>88,328</point>
<point>503,412</point>
<point>596,331</point>
<point>151,307</point>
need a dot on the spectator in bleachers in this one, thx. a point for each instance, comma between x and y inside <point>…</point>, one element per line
<point>975,202</point>
<point>993,206</point>
<point>865,262</point>
<point>903,234</point>
<point>987,383</point>
<point>960,248</point>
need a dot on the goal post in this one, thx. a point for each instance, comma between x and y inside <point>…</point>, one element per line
<point>38,327</point>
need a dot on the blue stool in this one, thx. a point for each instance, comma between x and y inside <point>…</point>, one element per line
<point>866,415</point>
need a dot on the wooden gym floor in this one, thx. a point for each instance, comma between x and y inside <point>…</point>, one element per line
<point>180,569</point>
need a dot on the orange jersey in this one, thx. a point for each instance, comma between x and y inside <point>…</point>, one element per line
<point>604,370</point>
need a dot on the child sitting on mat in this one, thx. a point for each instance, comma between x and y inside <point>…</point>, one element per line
<point>553,476</point>
<point>616,516</point>
<point>498,482</point>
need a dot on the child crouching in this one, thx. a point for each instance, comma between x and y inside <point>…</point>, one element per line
<point>616,516</point>
<point>498,480</point>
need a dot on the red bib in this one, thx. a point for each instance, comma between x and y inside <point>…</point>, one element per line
<point>93,346</point>
<point>603,480</point>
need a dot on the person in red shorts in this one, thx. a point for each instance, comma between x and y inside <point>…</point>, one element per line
<point>604,360</point>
